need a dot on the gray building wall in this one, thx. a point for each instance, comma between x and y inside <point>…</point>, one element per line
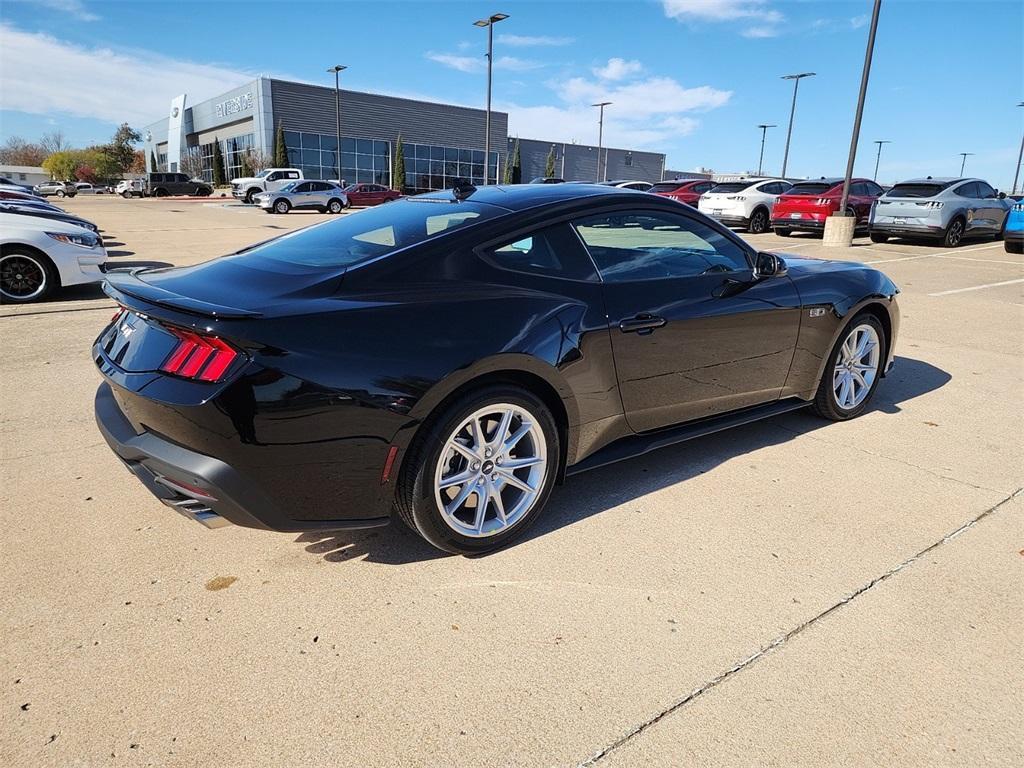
<point>578,162</point>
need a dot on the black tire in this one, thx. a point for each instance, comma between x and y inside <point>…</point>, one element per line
<point>126,195</point>
<point>415,501</point>
<point>879,237</point>
<point>954,234</point>
<point>60,193</point>
<point>282,206</point>
<point>249,194</point>
<point>783,231</point>
<point>334,206</point>
<point>1013,246</point>
<point>159,192</point>
<point>825,402</point>
<point>26,276</point>
<point>759,222</point>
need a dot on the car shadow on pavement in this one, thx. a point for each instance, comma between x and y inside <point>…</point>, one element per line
<point>611,486</point>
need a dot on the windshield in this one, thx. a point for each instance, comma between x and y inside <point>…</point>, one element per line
<point>371,233</point>
<point>916,190</point>
<point>810,188</point>
<point>669,186</point>
<point>261,174</point>
<point>290,186</point>
<point>732,186</point>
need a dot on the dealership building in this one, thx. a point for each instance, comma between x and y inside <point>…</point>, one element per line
<point>440,142</point>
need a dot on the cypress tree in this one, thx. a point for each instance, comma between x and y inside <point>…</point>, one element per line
<point>517,167</point>
<point>398,171</point>
<point>218,165</point>
<point>280,150</point>
<point>511,160</point>
<point>153,167</point>
<point>549,165</point>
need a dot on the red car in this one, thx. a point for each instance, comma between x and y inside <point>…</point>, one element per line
<point>370,194</point>
<point>684,190</point>
<point>807,204</point>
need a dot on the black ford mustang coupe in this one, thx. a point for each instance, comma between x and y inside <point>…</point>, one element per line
<point>449,357</point>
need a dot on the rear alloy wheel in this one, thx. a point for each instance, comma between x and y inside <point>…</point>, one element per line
<point>853,370</point>
<point>954,234</point>
<point>282,206</point>
<point>482,473</point>
<point>878,237</point>
<point>61,193</point>
<point>126,195</point>
<point>758,222</point>
<point>335,206</point>
<point>25,277</point>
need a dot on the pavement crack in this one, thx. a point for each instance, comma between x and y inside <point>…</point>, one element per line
<point>786,637</point>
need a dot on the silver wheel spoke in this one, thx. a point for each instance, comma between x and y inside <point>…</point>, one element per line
<point>483,495</point>
<point>515,482</point>
<point>519,434</point>
<point>510,464</point>
<point>460,499</point>
<point>856,366</point>
<point>459,479</point>
<point>502,431</point>
<point>499,505</point>
<point>455,445</point>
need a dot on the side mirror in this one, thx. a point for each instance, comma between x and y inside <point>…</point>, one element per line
<point>1001,195</point>
<point>769,265</point>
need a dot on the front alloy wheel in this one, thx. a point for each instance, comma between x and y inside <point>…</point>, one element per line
<point>853,370</point>
<point>281,206</point>
<point>23,278</point>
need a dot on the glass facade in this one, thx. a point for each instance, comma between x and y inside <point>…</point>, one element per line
<point>232,150</point>
<point>428,166</point>
<point>362,160</point>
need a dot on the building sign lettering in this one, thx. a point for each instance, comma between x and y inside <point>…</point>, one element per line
<point>237,104</point>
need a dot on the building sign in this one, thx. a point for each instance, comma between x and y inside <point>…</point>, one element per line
<point>237,104</point>
<point>175,132</point>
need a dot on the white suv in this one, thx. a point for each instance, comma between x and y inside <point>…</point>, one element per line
<point>39,255</point>
<point>746,203</point>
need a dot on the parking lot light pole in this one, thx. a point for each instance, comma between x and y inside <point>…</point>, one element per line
<point>489,22</point>
<point>878,156</point>
<point>336,69</point>
<point>600,137</point>
<point>1020,156</point>
<point>839,228</point>
<point>963,163</point>
<point>764,129</point>
<point>792,111</point>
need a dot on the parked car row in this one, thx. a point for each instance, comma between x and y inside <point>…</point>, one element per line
<point>43,248</point>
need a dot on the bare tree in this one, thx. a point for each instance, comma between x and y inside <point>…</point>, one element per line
<point>256,160</point>
<point>191,162</point>
<point>17,151</point>
<point>54,142</point>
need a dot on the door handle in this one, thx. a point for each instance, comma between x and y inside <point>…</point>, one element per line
<point>643,324</point>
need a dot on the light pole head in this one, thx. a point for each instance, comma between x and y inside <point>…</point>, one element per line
<point>799,76</point>
<point>492,19</point>
<point>337,68</point>
<point>764,126</point>
<point>601,104</point>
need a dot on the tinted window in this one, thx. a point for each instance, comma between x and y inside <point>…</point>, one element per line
<point>305,187</point>
<point>182,177</point>
<point>732,186</point>
<point>554,251</point>
<point>372,233</point>
<point>703,187</point>
<point>984,190</point>
<point>291,174</point>
<point>649,245</point>
<point>916,190</point>
<point>810,188</point>
<point>967,190</point>
<point>858,188</point>
<point>669,186</point>
<point>873,189</point>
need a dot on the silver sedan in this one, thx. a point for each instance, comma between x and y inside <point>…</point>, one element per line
<point>323,196</point>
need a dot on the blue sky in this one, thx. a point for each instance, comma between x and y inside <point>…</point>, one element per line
<point>691,78</point>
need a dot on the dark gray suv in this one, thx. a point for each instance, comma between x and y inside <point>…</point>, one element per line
<point>164,184</point>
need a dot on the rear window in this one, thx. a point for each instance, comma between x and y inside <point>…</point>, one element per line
<point>374,232</point>
<point>916,190</point>
<point>667,186</point>
<point>810,188</point>
<point>732,186</point>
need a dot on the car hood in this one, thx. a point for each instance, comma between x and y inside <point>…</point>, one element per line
<point>39,224</point>
<point>245,180</point>
<point>802,265</point>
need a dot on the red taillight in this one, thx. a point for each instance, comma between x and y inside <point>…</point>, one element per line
<point>204,358</point>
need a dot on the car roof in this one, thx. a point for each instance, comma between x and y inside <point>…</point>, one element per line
<point>938,180</point>
<point>518,197</point>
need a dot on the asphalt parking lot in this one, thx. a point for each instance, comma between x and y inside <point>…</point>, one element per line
<point>793,592</point>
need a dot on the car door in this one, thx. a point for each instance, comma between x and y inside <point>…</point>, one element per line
<point>991,210</point>
<point>693,332</point>
<point>973,207</point>
<point>301,196</point>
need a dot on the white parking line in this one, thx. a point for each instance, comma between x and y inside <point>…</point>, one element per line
<point>983,261</point>
<point>978,287</point>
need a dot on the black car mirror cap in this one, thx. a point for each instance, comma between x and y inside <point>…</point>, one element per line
<point>1001,195</point>
<point>769,265</point>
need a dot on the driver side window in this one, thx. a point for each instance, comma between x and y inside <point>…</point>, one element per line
<point>652,245</point>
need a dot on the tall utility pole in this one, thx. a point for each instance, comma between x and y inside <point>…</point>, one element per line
<point>600,137</point>
<point>336,69</point>
<point>489,22</point>
<point>864,75</point>
<point>764,129</point>
<point>963,163</point>
<point>878,156</point>
<point>1020,155</point>
<point>792,111</point>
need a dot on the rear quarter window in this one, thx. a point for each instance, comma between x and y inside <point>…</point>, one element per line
<point>916,190</point>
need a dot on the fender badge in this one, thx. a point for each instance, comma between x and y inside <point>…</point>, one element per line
<point>816,311</point>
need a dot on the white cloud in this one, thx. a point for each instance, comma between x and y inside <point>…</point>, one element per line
<point>479,63</point>
<point>74,8</point>
<point>859,21</point>
<point>721,10</point>
<point>760,32</point>
<point>523,41</point>
<point>44,75</point>
<point>618,69</point>
<point>643,98</point>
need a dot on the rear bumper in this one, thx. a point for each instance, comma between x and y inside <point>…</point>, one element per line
<point>805,225</point>
<point>914,230</point>
<point>201,487</point>
<point>1014,236</point>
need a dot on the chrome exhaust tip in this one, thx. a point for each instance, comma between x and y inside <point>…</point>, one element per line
<point>197,511</point>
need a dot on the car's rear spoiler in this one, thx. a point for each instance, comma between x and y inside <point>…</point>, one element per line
<point>123,285</point>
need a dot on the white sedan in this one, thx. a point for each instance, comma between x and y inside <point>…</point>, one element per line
<point>38,256</point>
